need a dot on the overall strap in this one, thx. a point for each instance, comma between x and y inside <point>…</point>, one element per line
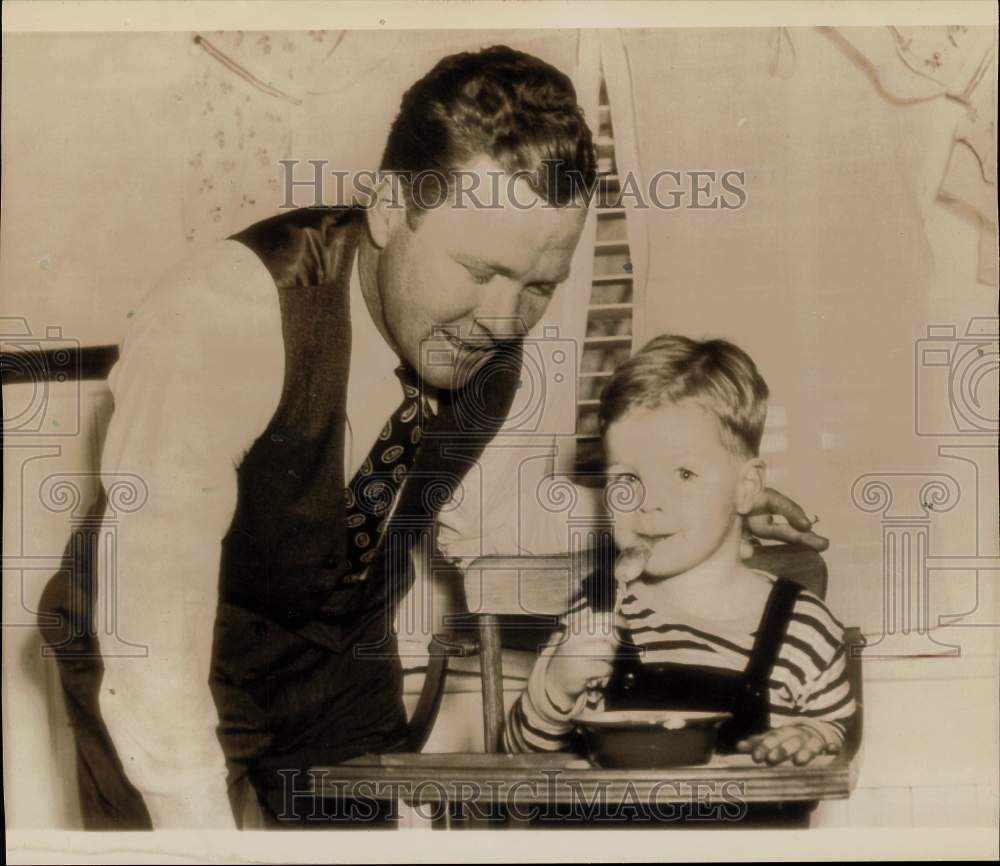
<point>771,632</point>
<point>752,709</point>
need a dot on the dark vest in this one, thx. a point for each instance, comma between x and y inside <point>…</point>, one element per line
<point>304,669</point>
<point>313,652</point>
<point>284,553</point>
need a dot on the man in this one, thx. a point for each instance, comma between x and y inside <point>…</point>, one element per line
<point>252,397</point>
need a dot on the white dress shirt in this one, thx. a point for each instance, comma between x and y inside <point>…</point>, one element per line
<point>199,378</point>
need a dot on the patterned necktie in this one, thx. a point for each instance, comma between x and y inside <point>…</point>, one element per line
<point>377,482</point>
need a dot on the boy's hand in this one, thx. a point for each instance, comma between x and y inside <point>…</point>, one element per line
<point>582,661</point>
<point>801,743</point>
<point>760,521</point>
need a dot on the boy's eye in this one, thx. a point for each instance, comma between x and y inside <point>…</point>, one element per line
<point>624,491</point>
<point>628,478</point>
<point>480,278</point>
<point>686,474</point>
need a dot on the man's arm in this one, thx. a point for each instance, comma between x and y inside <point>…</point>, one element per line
<point>199,378</point>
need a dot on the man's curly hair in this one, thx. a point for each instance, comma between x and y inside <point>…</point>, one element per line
<point>507,105</point>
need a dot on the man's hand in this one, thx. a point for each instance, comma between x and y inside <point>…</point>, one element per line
<point>760,521</point>
<point>582,661</point>
<point>801,743</point>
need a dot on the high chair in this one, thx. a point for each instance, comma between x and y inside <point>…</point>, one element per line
<point>515,603</point>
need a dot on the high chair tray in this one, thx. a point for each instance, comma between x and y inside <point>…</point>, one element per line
<point>549,778</point>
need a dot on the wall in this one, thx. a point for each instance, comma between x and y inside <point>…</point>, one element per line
<point>830,276</point>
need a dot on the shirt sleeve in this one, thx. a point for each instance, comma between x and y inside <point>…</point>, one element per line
<point>813,661</point>
<point>535,722</point>
<point>199,377</point>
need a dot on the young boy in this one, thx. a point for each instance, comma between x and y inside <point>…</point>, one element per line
<point>693,626</point>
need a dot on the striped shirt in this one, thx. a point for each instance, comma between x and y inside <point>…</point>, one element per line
<point>807,685</point>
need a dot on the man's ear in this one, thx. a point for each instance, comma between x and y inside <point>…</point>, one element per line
<point>752,480</point>
<point>386,210</point>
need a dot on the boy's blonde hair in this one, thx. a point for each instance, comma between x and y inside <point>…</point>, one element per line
<point>715,374</point>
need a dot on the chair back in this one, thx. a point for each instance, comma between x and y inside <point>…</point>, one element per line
<point>792,562</point>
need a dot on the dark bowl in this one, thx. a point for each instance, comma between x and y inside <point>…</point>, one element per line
<point>639,739</point>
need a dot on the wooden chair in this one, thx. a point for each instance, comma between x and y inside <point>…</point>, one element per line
<point>516,601</point>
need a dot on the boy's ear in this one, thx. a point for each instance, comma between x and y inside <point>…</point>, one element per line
<point>752,481</point>
<point>385,211</point>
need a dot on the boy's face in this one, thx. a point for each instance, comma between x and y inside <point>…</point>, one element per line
<point>689,487</point>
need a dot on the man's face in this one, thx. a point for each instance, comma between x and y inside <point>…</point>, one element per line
<point>688,483</point>
<point>463,279</point>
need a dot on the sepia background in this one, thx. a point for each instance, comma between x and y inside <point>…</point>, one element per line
<point>860,273</point>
